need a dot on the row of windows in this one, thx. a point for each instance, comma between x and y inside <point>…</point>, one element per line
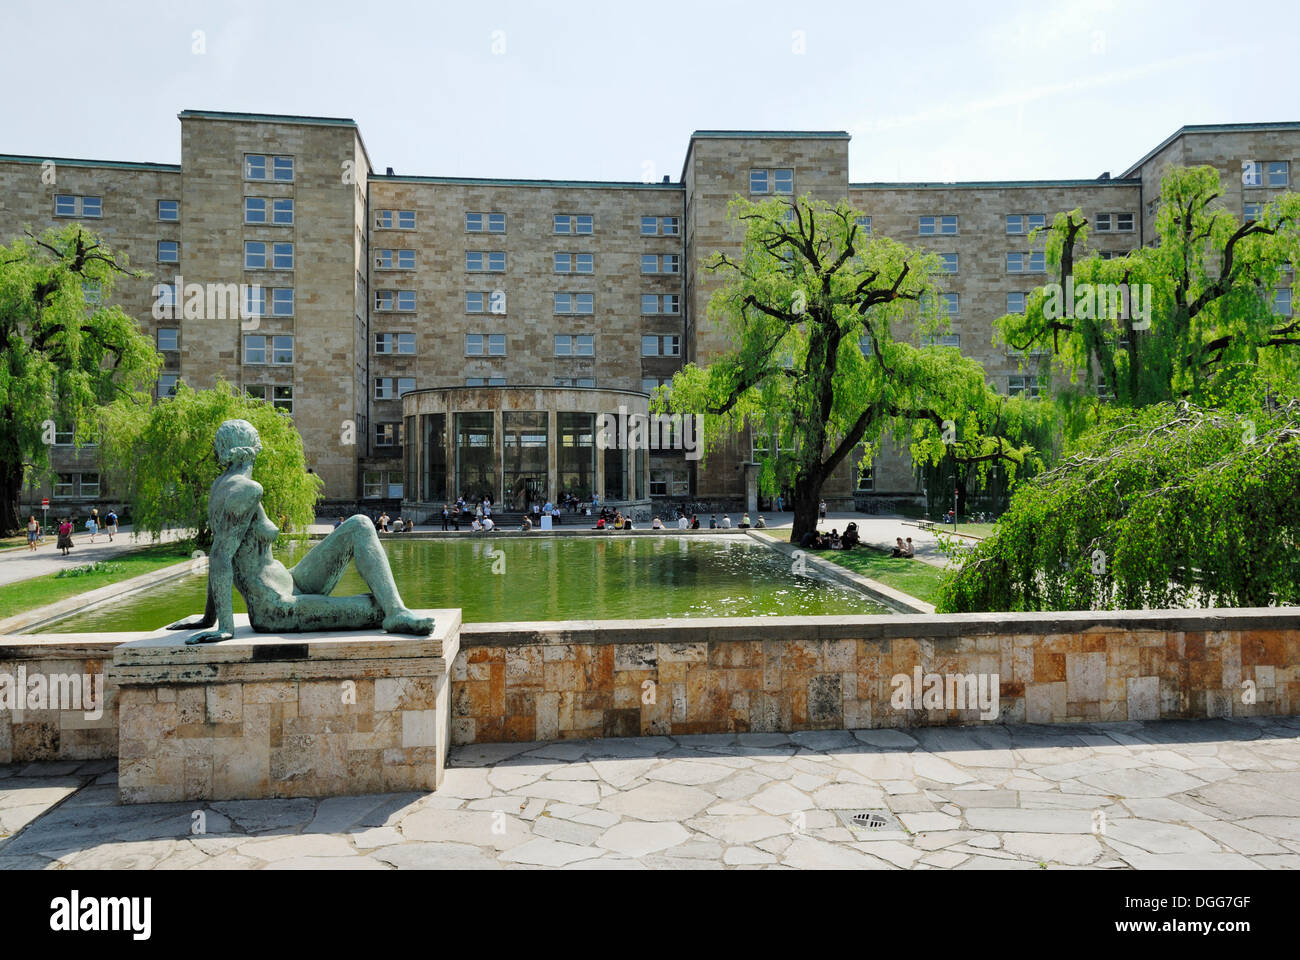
<point>1265,173</point>
<point>476,345</point>
<point>481,301</point>
<point>258,166</point>
<point>779,181</point>
<point>479,261</point>
<point>564,224</point>
<point>256,299</point>
<point>276,211</point>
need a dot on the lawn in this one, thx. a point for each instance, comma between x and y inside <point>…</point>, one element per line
<point>27,595</point>
<point>914,577</point>
<point>980,530</point>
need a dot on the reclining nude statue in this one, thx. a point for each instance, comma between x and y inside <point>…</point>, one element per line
<point>280,599</point>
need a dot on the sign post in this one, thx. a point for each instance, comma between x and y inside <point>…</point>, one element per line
<point>45,513</point>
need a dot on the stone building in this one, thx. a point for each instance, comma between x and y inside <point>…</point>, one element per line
<point>342,294</point>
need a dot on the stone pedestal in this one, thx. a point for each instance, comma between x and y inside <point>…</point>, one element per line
<point>283,715</point>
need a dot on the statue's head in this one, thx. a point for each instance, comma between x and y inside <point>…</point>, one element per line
<point>237,442</point>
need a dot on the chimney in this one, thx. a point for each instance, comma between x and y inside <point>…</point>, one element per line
<point>666,178</point>
<point>1105,176</point>
<point>390,171</point>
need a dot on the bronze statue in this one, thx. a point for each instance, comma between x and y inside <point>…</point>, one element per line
<point>280,599</point>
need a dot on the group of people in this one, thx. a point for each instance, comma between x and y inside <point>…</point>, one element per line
<point>93,525</point>
<point>816,540</point>
<point>385,524</point>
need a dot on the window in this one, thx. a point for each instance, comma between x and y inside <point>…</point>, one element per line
<point>282,256</point>
<point>1035,262</point>
<point>395,219</point>
<point>401,300</point>
<point>282,349</point>
<point>167,384</point>
<point>256,251</point>
<point>385,388</point>
<point>254,255</point>
<point>64,484</point>
<point>1022,385</point>
<point>948,340</point>
<point>282,212</point>
<point>1113,222</point>
<point>865,224</point>
<point>659,226</point>
<point>1260,173</point>
<point>574,263</point>
<point>485,223</point>
<point>771,181</point>
<point>575,381</point>
<point>1282,301</point>
<point>661,346</point>
<point>254,210</point>
<point>282,301</point>
<point>758,181</point>
<point>480,344</point>
<point>282,398</point>
<point>1016,302</point>
<point>168,339</point>
<point>394,259</point>
<point>395,343</point>
<point>574,224</point>
<point>661,263</point>
<point>254,349</point>
<point>261,167</point>
<point>584,303</point>
<point>949,262</point>
<point>92,291</point>
<point>1278,173</point>
<point>475,301</point>
<point>654,303</point>
<point>1251,212</point>
<point>1018,223</point>
<point>169,211</point>
<point>930,226</point>
<point>479,261</point>
<point>255,301</point>
<point>651,384</point>
<point>866,479</point>
<point>73,206</point>
<point>388,434</point>
<point>783,181</point>
<point>580,345</point>
<point>255,390</point>
<point>949,303</point>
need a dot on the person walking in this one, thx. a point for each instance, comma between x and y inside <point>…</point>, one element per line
<point>92,524</point>
<point>110,524</point>
<point>65,535</point>
<point>33,532</point>
<point>821,510</point>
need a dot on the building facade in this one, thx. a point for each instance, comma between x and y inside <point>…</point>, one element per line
<point>286,264</point>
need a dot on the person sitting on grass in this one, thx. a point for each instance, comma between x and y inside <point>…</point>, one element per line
<point>851,538</point>
<point>899,549</point>
<point>910,550</point>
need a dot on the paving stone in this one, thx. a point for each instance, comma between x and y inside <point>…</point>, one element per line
<point>690,772</point>
<point>742,830</point>
<point>579,792</point>
<point>1154,836</point>
<point>638,839</point>
<point>808,853</point>
<point>1142,782</point>
<point>478,827</point>
<point>928,822</point>
<point>658,801</point>
<point>548,853</point>
<point>781,798</point>
<point>944,858</point>
<point>1053,847</point>
<point>436,856</point>
<point>327,863</point>
<point>886,738</point>
<point>738,855</point>
<point>569,831</point>
<point>1004,819</point>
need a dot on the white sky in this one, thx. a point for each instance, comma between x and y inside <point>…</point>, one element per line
<point>611,91</point>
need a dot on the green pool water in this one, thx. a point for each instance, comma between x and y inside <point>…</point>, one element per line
<point>551,578</point>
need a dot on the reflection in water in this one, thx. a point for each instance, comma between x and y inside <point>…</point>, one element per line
<point>548,578</point>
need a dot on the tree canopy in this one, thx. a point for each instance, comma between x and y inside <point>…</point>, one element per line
<point>831,334</point>
<point>1170,505</point>
<point>168,447</point>
<point>65,349</point>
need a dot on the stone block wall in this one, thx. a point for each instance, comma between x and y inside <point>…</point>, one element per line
<point>607,679</point>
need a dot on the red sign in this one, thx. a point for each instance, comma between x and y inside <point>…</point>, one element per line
<point>45,501</point>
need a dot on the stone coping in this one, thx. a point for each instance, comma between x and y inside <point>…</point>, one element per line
<point>876,626</point>
<point>167,647</point>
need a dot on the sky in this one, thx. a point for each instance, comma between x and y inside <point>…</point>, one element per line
<point>612,91</point>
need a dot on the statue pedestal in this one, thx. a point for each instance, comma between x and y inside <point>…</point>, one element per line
<point>284,715</point>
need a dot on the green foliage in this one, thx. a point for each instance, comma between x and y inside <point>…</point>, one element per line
<point>169,446</point>
<point>1172,505</point>
<point>87,569</point>
<point>1210,279</point>
<point>60,356</point>
<point>798,303</point>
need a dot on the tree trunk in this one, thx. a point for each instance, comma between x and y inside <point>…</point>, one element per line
<point>805,500</point>
<point>11,491</point>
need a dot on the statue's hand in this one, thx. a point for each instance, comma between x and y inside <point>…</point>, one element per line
<point>209,636</point>
<point>196,622</point>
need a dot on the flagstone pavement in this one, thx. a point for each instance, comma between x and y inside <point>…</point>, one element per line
<point>1182,794</point>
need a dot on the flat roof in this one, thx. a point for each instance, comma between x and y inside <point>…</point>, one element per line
<point>771,135</point>
<point>70,162</point>
<point>495,182</point>
<point>993,184</point>
<point>1214,128</point>
<point>281,118</point>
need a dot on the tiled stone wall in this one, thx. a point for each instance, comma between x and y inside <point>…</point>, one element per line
<point>27,735</point>
<point>557,681</point>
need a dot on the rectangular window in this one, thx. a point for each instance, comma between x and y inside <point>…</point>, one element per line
<point>282,398</point>
<point>581,303</point>
<point>475,301</point>
<point>1025,385</point>
<point>1282,301</point>
<point>254,255</point>
<point>949,261</point>
<point>394,259</point>
<point>255,390</point>
<point>384,388</point>
<point>473,344</point>
<point>282,302</point>
<point>1035,262</point>
<point>1019,223</point>
<point>386,434</point>
<point>282,256</point>
<point>931,226</point>
<point>74,206</point>
<point>669,226</point>
<point>485,223</point>
<point>481,261</point>
<point>569,345</point>
<point>254,348</point>
<point>169,251</point>
<point>395,343</point>
<point>659,226</point>
<point>865,224</point>
<point>1279,173</point>
<point>783,181</point>
<point>261,167</point>
<point>282,211</point>
<point>167,384</point>
<point>168,339</point>
<point>574,224</point>
<point>395,219</point>
<point>401,300</point>
<point>496,344</point>
<point>758,181</point>
<point>254,210</point>
<point>65,206</point>
<point>282,349</point>
<point>575,263</point>
<point>169,211</point>
<point>1016,302</point>
<point>1251,212</point>
<point>949,303</point>
<point>89,484</point>
<point>63,486</point>
<point>649,226</point>
<point>255,300</point>
<point>661,346</point>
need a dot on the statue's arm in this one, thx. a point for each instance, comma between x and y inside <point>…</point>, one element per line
<point>228,534</point>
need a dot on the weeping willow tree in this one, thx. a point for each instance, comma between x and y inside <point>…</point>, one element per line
<point>1171,505</point>
<point>166,463</point>
<point>1166,321</point>
<point>831,336</point>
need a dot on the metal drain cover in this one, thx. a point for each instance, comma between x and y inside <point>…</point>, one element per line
<point>870,821</point>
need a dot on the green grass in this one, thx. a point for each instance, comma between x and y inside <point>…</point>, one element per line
<point>914,577</point>
<point>980,530</point>
<point>16,598</point>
